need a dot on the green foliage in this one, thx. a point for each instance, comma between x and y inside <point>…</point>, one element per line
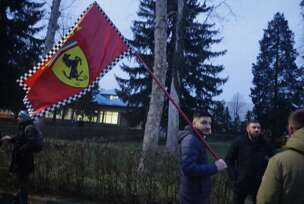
<point>278,82</point>
<point>107,173</point>
<point>221,119</point>
<point>19,47</point>
<point>199,80</point>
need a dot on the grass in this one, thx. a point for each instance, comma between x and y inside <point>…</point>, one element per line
<point>220,147</point>
<point>108,172</point>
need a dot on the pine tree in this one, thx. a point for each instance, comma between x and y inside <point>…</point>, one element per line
<point>135,90</point>
<point>237,125</point>
<point>228,120</point>
<point>249,116</point>
<point>221,119</point>
<point>199,77</point>
<point>277,80</point>
<point>200,82</point>
<point>19,47</point>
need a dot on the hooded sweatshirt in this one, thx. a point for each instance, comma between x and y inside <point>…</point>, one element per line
<point>283,180</point>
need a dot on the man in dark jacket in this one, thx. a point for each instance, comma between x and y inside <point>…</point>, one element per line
<point>247,160</point>
<point>195,183</point>
<point>22,164</point>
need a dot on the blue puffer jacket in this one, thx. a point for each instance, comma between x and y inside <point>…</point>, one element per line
<point>196,171</point>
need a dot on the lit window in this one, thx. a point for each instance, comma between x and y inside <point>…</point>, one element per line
<point>94,119</point>
<point>86,118</point>
<point>59,114</point>
<point>100,116</point>
<point>49,115</point>
<point>113,97</point>
<point>110,118</point>
<point>68,114</point>
<point>79,117</point>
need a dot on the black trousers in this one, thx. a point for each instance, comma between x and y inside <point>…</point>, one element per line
<point>240,197</point>
<point>23,183</point>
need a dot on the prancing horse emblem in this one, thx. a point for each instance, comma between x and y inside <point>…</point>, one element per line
<point>72,64</point>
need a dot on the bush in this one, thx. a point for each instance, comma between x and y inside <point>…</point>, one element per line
<point>107,173</point>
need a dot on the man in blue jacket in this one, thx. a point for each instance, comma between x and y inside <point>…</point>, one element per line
<point>196,171</point>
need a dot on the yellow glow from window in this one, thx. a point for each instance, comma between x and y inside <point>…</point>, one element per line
<point>110,118</point>
<point>112,97</point>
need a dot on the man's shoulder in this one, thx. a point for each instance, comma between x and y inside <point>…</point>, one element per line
<point>284,158</point>
<point>191,140</point>
<point>286,154</point>
<point>189,137</point>
<point>237,141</point>
<point>29,126</point>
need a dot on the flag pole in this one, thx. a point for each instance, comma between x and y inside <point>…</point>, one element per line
<point>200,136</point>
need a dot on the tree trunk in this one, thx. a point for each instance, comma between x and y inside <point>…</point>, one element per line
<point>51,30</point>
<point>52,26</point>
<point>173,121</point>
<point>173,115</point>
<point>157,95</point>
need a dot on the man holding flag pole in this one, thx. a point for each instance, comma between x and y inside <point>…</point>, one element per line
<point>90,49</point>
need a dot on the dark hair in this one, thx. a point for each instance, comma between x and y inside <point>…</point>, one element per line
<point>248,122</point>
<point>296,119</point>
<point>199,114</point>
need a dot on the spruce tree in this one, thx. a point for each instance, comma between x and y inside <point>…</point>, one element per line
<point>221,119</point>
<point>249,116</point>
<point>199,80</point>
<point>135,90</point>
<point>19,47</point>
<point>237,125</point>
<point>277,80</point>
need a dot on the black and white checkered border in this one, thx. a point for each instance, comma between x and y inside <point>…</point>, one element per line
<point>111,23</point>
<point>52,52</point>
<point>76,96</point>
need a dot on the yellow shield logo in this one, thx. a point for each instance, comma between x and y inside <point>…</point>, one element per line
<point>71,67</point>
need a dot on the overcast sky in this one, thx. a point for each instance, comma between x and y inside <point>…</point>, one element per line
<point>241,33</point>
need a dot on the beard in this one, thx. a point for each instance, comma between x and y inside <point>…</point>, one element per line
<point>254,136</point>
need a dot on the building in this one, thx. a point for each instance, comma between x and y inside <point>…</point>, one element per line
<point>109,110</point>
<point>6,114</point>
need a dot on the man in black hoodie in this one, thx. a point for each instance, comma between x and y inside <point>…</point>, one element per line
<point>196,171</point>
<point>22,164</point>
<point>247,160</point>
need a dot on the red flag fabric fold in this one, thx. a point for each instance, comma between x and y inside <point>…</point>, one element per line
<point>77,62</point>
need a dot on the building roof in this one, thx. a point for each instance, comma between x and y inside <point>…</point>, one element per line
<point>103,98</point>
<point>108,92</point>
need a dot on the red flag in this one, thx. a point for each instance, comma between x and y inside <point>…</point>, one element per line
<point>75,64</point>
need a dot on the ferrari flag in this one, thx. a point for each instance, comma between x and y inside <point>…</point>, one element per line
<point>90,49</point>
